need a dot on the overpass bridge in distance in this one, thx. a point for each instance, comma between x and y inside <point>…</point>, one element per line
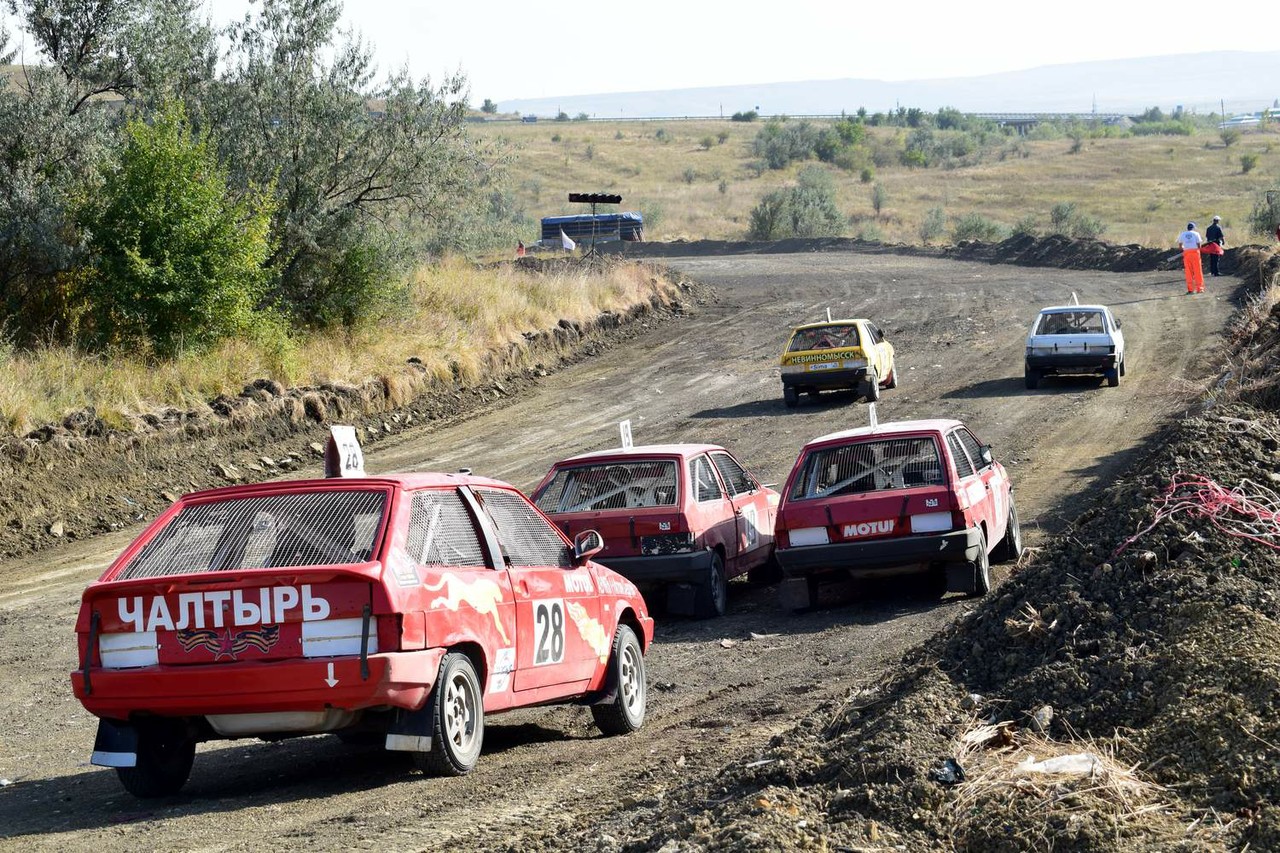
<point>1025,121</point>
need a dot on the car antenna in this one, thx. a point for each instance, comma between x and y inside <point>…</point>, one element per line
<point>871,416</point>
<point>828,313</point>
<point>1074,300</point>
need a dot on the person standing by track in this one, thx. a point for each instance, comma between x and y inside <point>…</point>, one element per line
<point>1191,241</point>
<point>1215,244</point>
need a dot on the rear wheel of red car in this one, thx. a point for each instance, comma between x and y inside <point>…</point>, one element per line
<point>981,568</point>
<point>165,756</point>
<point>713,592</point>
<point>872,390</point>
<point>625,713</point>
<point>1010,547</point>
<point>457,717</point>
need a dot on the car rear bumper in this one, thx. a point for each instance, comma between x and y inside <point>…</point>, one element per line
<point>826,378</point>
<point>1073,363</point>
<point>661,569</point>
<point>881,556</point>
<point>396,679</point>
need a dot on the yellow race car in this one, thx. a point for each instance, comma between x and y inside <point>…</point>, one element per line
<point>837,354</point>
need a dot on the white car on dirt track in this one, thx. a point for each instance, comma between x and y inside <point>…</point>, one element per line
<point>1075,339</point>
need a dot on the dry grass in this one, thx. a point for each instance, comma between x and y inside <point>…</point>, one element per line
<point>1012,770</point>
<point>1143,189</point>
<point>457,314</point>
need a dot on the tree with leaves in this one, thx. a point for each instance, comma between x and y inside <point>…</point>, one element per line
<point>178,257</point>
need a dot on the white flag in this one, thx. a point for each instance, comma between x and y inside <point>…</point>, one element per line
<point>568,244</point>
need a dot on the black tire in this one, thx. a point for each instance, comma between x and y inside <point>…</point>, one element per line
<point>872,390</point>
<point>1032,377</point>
<point>165,756</point>
<point>712,598</point>
<point>981,569</point>
<point>1009,548</point>
<point>1122,367</point>
<point>457,711</point>
<point>1113,377</point>
<point>790,396</point>
<point>892,381</point>
<point>625,714</point>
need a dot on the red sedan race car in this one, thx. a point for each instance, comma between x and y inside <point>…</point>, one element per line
<point>912,497</point>
<point>680,518</point>
<point>405,607</point>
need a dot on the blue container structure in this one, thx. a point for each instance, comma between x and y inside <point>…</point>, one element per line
<point>586,228</point>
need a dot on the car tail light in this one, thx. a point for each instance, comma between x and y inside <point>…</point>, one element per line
<point>932,522</point>
<point>329,638</point>
<point>128,650</point>
<point>666,543</point>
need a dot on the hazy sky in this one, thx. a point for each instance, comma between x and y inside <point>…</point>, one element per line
<point>541,48</point>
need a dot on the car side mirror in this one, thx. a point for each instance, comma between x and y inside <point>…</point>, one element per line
<point>985,454</point>
<point>586,545</point>
<point>1119,324</point>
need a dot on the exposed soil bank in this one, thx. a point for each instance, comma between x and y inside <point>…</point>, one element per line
<point>79,478</point>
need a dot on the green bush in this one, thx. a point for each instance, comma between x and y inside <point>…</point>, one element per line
<point>1064,219</point>
<point>934,225</point>
<point>779,143</point>
<point>1026,226</point>
<point>722,137</point>
<point>178,257</point>
<point>1265,216</point>
<point>488,107</point>
<point>805,210</point>
<point>867,175</point>
<point>879,197</point>
<point>689,175</point>
<point>562,116</point>
<point>1247,163</point>
<point>706,142</point>
<point>975,226</point>
<point>749,115</point>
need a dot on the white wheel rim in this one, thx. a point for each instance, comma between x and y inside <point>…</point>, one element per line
<point>630,682</point>
<point>719,592</point>
<point>460,713</point>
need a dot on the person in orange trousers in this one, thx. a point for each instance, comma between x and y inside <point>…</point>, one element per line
<point>1191,241</point>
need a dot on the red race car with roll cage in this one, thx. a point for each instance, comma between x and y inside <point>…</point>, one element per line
<point>682,519</point>
<point>406,607</point>
<point>922,498</point>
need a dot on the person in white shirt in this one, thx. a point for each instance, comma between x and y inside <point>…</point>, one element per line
<point>1191,241</point>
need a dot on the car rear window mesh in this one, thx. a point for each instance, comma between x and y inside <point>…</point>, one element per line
<point>964,467</point>
<point>331,527</point>
<point>869,466</point>
<point>526,537</point>
<point>971,446</point>
<point>738,480</point>
<point>612,485</point>
<point>441,532</point>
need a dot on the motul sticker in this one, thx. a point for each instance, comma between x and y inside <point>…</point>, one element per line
<point>868,528</point>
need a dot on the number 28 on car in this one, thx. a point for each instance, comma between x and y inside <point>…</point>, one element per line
<point>404,608</point>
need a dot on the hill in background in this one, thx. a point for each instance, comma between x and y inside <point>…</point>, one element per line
<point>1197,82</point>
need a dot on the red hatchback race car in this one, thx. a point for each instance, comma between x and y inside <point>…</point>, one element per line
<point>680,518</point>
<point>404,607</point>
<point>912,497</point>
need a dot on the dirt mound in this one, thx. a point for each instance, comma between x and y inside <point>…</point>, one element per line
<point>78,478</point>
<point>1053,250</point>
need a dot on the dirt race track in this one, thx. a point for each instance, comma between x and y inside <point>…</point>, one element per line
<point>958,329</point>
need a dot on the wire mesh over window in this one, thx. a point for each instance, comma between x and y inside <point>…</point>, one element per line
<point>835,336</point>
<point>525,536</point>
<point>615,485</point>
<point>964,467</point>
<point>441,532</point>
<point>705,485</point>
<point>1071,323</point>
<point>736,479</point>
<point>325,528</point>
<point>971,446</point>
<point>869,466</point>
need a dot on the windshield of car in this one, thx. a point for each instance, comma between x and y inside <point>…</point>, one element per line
<point>325,528</point>
<point>1071,323</point>
<point>869,466</point>
<point>611,485</point>
<point>824,337</point>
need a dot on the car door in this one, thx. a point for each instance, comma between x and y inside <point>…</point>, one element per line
<point>973,491</point>
<point>987,487</point>
<point>559,638</point>
<point>879,352</point>
<point>752,517</point>
<point>711,510</point>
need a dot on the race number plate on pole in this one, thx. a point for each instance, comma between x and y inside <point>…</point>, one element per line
<point>624,427</point>
<point>342,454</point>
